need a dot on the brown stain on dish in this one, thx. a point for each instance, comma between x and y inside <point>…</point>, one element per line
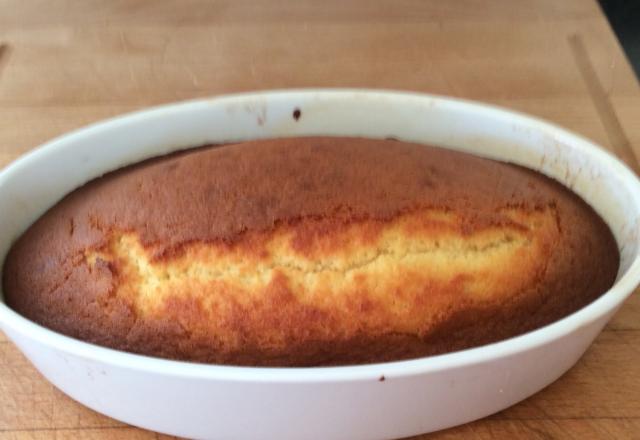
<point>310,251</point>
<point>296,114</point>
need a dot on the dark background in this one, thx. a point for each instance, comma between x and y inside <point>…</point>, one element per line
<point>624,16</point>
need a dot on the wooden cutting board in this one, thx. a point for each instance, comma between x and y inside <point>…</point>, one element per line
<point>64,64</point>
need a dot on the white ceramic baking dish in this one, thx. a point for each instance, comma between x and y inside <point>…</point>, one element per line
<point>358,402</point>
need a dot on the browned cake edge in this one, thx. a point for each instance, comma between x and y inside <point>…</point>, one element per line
<point>48,278</point>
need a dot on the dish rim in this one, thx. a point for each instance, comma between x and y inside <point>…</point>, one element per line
<point>606,303</point>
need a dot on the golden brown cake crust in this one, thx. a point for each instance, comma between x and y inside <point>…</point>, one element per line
<point>310,251</point>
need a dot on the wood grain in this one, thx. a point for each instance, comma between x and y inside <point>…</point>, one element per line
<point>615,132</point>
<point>67,63</point>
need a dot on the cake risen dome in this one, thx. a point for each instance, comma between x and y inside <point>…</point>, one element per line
<point>310,251</point>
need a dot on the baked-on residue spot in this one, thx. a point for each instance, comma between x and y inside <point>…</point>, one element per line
<point>297,113</point>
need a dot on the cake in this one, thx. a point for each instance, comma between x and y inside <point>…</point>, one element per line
<point>310,252</point>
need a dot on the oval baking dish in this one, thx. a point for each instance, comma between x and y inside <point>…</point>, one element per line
<point>394,399</point>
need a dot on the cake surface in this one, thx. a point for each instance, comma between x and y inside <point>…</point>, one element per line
<point>310,251</point>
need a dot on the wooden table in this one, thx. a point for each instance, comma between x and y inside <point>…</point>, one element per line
<point>64,64</point>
